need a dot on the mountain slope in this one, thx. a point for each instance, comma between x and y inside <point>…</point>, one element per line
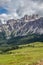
<point>21,27</point>
<point>32,27</point>
<point>21,31</point>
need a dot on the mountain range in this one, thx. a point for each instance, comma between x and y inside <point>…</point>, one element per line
<point>14,32</point>
<point>26,25</point>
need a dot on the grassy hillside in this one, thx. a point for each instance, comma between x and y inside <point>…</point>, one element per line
<point>25,55</point>
<point>14,42</point>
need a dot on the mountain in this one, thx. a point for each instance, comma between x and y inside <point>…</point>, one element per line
<point>26,30</point>
<point>26,25</point>
<point>32,27</point>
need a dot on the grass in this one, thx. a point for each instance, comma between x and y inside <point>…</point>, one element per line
<point>27,54</point>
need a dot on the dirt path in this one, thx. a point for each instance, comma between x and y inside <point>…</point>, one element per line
<point>39,63</point>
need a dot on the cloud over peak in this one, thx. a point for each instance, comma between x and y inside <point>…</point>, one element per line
<point>19,8</point>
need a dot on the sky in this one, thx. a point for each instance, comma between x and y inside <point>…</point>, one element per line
<point>18,8</point>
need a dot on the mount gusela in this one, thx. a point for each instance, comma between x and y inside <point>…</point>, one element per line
<point>26,30</point>
<point>23,26</point>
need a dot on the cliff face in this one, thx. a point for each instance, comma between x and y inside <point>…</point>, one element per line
<point>21,27</point>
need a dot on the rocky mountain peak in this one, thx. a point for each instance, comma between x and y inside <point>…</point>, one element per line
<point>26,25</point>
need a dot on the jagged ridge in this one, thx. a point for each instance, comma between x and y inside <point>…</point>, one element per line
<point>21,27</point>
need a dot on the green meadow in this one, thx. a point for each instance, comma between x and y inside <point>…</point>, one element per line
<point>27,54</point>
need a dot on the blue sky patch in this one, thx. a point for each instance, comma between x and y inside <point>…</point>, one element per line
<point>2,10</point>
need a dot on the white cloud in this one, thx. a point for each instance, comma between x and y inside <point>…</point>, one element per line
<point>8,16</point>
<point>18,8</point>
